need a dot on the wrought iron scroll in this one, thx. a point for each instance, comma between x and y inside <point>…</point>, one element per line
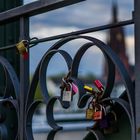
<point>73,65</point>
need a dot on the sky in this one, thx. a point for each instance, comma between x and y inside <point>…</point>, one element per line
<point>90,13</point>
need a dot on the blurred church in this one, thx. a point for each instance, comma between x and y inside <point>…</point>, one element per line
<point>116,40</point>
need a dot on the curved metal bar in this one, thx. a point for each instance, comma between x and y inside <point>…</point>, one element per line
<point>111,67</point>
<point>52,134</point>
<point>30,112</point>
<point>111,58</point>
<point>43,69</point>
<point>12,75</point>
<point>115,59</point>
<point>15,105</point>
<point>98,135</point>
<point>8,85</point>
<point>32,88</point>
<point>49,113</point>
<point>124,104</point>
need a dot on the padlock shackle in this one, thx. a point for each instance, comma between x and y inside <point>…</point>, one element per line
<point>99,105</point>
<point>114,114</point>
<point>89,105</point>
<point>104,109</point>
<point>68,84</point>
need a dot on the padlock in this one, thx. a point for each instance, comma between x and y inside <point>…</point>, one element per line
<point>74,88</point>
<point>87,88</point>
<point>89,111</point>
<point>22,48</point>
<point>67,93</point>
<point>91,90</point>
<point>104,122</point>
<point>98,112</point>
<point>113,126</point>
<point>99,85</point>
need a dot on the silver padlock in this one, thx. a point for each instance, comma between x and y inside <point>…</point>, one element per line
<point>67,93</point>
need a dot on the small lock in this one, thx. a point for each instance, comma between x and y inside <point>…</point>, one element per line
<point>99,85</point>
<point>87,88</point>
<point>98,113</point>
<point>21,46</point>
<point>89,111</point>
<point>104,122</point>
<point>113,126</point>
<point>67,93</point>
<point>90,89</point>
<point>74,88</point>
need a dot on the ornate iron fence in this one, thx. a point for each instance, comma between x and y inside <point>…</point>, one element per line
<point>22,105</point>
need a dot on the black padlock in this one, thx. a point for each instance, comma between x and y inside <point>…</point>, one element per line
<point>104,122</point>
<point>113,125</point>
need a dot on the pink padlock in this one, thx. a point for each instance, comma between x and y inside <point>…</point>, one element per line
<point>74,88</point>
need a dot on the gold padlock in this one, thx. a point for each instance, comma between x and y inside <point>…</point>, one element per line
<point>90,111</point>
<point>21,46</point>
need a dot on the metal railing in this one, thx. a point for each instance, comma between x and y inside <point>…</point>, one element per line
<point>23,105</point>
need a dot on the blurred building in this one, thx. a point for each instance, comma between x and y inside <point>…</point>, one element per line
<point>116,40</point>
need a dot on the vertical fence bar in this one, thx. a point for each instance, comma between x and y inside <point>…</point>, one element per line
<point>24,78</point>
<point>9,34</point>
<point>137,65</point>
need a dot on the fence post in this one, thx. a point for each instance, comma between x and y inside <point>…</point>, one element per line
<point>9,35</point>
<point>137,65</point>
<point>24,77</point>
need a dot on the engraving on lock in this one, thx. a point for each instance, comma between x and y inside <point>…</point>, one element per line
<point>90,111</point>
<point>67,93</point>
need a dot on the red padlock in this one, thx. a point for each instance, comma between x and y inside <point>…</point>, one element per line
<point>99,85</point>
<point>98,113</point>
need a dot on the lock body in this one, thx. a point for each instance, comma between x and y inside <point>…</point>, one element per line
<point>98,114</point>
<point>67,93</point>
<point>90,111</point>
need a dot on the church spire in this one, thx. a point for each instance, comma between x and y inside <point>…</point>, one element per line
<point>116,40</point>
<point>114,11</point>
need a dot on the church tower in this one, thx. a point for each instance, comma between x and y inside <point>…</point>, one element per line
<point>116,40</point>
